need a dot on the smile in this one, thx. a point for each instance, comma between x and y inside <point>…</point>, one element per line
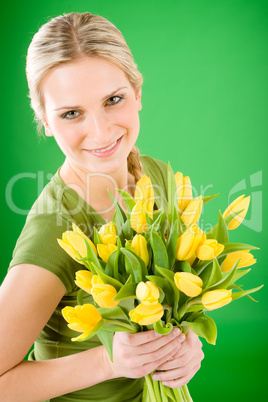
<point>105,152</point>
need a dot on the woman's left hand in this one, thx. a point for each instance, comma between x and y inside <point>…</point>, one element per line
<point>179,370</point>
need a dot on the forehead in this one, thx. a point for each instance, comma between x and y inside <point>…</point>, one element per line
<point>92,77</point>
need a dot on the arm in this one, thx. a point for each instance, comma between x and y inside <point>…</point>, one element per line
<point>28,297</point>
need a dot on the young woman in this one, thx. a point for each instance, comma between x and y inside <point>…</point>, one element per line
<point>86,91</point>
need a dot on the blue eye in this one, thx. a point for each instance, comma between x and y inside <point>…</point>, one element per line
<point>72,114</point>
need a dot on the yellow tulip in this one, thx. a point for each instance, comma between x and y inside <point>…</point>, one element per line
<point>184,190</point>
<point>103,293</point>
<point>188,241</point>
<point>209,249</point>
<point>108,233</point>
<point>246,259</point>
<point>144,191</point>
<point>146,314</point>
<point>138,216</point>
<point>216,298</point>
<point>189,284</point>
<point>105,250</point>
<point>81,319</point>
<point>73,243</point>
<point>139,247</point>
<point>83,280</point>
<point>238,204</point>
<point>192,212</point>
<point>147,293</point>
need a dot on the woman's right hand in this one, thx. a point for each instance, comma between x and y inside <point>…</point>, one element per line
<point>136,355</point>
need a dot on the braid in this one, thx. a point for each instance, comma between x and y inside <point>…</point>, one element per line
<point>134,164</point>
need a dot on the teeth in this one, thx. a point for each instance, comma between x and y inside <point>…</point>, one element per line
<point>105,149</point>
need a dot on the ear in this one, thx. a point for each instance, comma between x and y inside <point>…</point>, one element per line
<point>48,131</point>
<point>138,98</point>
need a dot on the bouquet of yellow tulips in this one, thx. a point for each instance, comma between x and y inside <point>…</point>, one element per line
<point>157,269</point>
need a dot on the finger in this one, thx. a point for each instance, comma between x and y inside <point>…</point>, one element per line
<point>182,380</point>
<point>139,338</point>
<point>162,352</point>
<point>156,344</point>
<point>149,367</point>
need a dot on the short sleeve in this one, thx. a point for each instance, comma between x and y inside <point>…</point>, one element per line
<point>37,245</point>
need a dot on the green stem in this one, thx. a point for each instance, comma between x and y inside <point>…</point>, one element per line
<point>150,389</point>
<point>187,395</point>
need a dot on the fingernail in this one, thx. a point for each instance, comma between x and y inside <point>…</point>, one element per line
<point>177,331</point>
<point>155,377</point>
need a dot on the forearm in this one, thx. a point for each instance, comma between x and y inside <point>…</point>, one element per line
<point>41,380</point>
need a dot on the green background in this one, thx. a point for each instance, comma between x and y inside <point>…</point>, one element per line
<point>204,101</point>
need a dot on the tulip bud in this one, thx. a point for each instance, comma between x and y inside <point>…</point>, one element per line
<point>104,250</point>
<point>73,243</point>
<point>216,298</point>
<point>108,233</point>
<point>138,216</point>
<point>139,247</point>
<point>146,314</point>
<point>192,212</point>
<point>103,293</point>
<point>188,241</point>
<point>209,249</point>
<point>246,259</point>
<point>83,280</point>
<point>189,284</point>
<point>184,190</point>
<point>147,293</point>
<point>237,205</point>
<point>144,191</point>
<point>82,319</point>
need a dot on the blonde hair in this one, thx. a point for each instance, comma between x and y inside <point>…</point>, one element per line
<point>69,37</point>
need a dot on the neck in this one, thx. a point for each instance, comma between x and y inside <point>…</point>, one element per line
<point>93,186</point>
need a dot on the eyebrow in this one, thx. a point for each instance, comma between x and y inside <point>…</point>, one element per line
<point>103,99</point>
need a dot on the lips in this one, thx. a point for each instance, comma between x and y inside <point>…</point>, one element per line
<point>107,151</point>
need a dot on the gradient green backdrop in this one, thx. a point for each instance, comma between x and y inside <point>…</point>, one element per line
<point>204,110</point>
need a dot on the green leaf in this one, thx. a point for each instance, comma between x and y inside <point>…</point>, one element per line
<point>239,273</point>
<point>203,326</point>
<point>231,247</point>
<point>181,225</point>
<point>159,222</point>
<point>92,258</point>
<point>129,201</point>
<point>172,240</point>
<point>111,268</point>
<point>106,339</point>
<point>169,275</point>
<point>116,313</point>
<point>119,210</point>
<point>127,291</point>
<point>182,266</point>
<point>93,332</point>
<point>108,279</point>
<point>97,239</point>
<point>159,250</point>
<point>216,274</point>
<point>127,230</point>
<point>207,198</point>
<point>222,235</point>
<point>80,296</point>
<point>163,283</point>
<point>243,293</point>
<point>133,266</point>
<point>212,233</point>
<point>163,330</point>
<point>226,280</point>
<point>172,195</point>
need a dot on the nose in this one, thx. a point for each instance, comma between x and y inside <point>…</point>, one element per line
<point>99,129</point>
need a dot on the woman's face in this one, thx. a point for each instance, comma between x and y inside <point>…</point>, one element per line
<point>92,111</point>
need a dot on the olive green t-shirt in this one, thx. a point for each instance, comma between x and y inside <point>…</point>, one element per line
<point>52,214</point>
